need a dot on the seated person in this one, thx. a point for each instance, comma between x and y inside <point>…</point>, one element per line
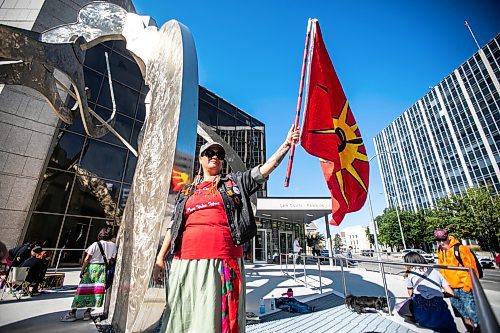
<point>38,266</point>
<point>19,254</point>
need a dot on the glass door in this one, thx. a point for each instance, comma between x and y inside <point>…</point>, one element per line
<point>260,246</point>
<point>286,243</point>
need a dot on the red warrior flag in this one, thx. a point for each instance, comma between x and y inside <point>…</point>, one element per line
<point>330,132</point>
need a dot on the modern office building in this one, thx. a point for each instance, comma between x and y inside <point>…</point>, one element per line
<point>355,237</point>
<point>449,140</point>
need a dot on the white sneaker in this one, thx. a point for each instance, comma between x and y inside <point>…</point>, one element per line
<point>69,317</point>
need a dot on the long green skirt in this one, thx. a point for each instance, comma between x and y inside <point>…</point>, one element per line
<point>194,297</point>
<point>92,287</point>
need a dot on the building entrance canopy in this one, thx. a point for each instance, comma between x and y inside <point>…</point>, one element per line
<point>293,210</point>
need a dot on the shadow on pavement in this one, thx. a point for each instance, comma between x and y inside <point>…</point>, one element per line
<point>49,323</point>
<point>43,296</point>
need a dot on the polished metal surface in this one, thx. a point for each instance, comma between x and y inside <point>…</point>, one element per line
<point>169,132</point>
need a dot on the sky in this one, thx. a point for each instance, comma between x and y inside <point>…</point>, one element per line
<point>386,53</point>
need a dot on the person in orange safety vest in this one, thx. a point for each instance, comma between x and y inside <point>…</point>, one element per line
<point>460,281</point>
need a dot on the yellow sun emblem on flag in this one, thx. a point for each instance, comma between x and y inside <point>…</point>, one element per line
<point>350,141</point>
<point>179,179</point>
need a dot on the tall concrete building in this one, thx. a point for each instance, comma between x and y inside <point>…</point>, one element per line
<point>449,140</point>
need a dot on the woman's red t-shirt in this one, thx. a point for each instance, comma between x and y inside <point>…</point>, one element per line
<point>206,233</point>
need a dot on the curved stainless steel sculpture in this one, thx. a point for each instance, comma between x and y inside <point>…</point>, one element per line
<point>168,62</point>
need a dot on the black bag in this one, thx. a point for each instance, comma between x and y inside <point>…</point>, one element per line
<point>110,269</point>
<point>456,252</point>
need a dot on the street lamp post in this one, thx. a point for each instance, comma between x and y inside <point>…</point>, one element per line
<point>375,227</point>
<point>400,228</point>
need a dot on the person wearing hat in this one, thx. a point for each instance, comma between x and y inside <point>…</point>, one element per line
<point>459,281</point>
<point>212,219</point>
<point>38,266</point>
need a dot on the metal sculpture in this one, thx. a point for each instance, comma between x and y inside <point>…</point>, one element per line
<point>53,61</point>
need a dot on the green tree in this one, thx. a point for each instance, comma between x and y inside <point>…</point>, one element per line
<point>475,214</point>
<point>337,242</point>
<point>388,228</point>
<point>370,236</point>
<point>313,238</point>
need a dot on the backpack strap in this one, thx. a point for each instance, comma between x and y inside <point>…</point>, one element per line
<point>456,252</point>
<point>102,253</point>
<point>422,277</point>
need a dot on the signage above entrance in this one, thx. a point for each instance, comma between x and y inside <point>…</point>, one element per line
<point>296,210</point>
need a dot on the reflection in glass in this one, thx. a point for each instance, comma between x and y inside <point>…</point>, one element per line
<point>54,192</point>
<point>94,197</point>
<point>141,108</point>
<point>123,125</point>
<point>93,81</point>
<point>125,71</point>
<point>95,227</point>
<point>124,196</point>
<point>44,229</point>
<point>135,134</point>
<point>94,58</point>
<point>73,236</point>
<point>67,150</point>
<point>129,172</point>
<point>104,160</point>
<point>126,104</point>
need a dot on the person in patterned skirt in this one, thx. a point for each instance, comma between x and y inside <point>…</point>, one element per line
<point>211,221</point>
<point>92,286</point>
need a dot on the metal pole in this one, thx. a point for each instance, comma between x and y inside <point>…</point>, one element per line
<point>328,241</point>
<point>375,228</point>
<point>487,319</point>
<point>473,37</point>
<point>343,276</point>
<point>382,270</point>
<point>281,264</point>
<point>286,262</point>
<point>305,272</point>
<point>319,273</point>
<point>401,228</point>
<point>299,101</point>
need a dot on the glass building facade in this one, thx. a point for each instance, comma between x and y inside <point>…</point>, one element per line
<point>449,140</point>
<point>86,181</point>
<point>246,135</point>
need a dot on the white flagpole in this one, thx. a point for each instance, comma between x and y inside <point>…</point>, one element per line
<point>308,69</point>
<point>473,37</point>
<point>299,101</point>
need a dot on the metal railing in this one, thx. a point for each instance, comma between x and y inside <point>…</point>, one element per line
<point>487,319</point>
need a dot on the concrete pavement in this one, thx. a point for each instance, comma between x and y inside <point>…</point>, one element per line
<point>42,313</point>
<point>263,281</point>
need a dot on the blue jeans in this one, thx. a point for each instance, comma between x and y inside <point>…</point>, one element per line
<point>465,305</point>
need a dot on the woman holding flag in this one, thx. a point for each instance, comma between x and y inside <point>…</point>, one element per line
<point>212,218</point>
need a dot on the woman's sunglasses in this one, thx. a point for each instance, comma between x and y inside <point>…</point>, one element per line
<point>211,153</point>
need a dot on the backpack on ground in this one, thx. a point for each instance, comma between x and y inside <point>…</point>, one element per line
<point>456,251</point>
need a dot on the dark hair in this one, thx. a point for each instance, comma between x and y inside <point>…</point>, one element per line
<point>106,234</point>
<point>414,258</point>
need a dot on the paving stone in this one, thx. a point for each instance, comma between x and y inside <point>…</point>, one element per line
<point>331,315</point>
